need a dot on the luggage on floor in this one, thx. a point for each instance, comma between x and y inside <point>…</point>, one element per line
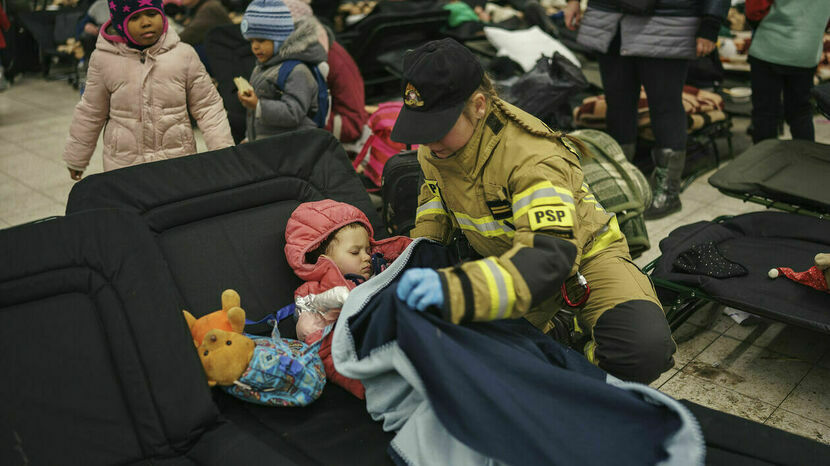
<point>379,147</point>
<point>618,185</point>
<point>545,91</point>
<point>402,178</point>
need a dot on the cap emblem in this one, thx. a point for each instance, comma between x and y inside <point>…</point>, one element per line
<point>412,97</point>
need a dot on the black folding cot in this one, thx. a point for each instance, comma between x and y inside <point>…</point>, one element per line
<point>789,175</point>
<point>99,364</point>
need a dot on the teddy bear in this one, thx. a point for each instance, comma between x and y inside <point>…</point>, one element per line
<point>270,371</point>
<point>817,276</point>
<point>230,318</point>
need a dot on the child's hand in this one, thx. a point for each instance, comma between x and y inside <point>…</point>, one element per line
<point>75,174</point>
<point>248,99</point>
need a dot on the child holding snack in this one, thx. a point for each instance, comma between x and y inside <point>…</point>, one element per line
<point>142,86</point>
<point>276,38</point>
<point>329,244</point>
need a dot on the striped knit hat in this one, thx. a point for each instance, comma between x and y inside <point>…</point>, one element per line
<point>267,19</point>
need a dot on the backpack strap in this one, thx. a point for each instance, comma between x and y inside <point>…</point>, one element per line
<point>286,68</point>
<point>322,113</point>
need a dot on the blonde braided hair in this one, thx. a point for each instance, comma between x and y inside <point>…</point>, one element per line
<point>491,94</point>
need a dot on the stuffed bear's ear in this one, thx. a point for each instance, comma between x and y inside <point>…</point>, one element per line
<point>822,261</point>
<point>236,317</point>
<point>230,298</point>
<point>189,318</point>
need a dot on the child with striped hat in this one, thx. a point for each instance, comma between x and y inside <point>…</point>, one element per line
<point>277,39</point>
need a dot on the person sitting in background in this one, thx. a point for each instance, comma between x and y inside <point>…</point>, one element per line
<point>143,84</point>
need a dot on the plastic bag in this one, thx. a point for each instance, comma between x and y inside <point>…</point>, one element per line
<point>545,90</point>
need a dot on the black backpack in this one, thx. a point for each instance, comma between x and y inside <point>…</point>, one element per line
<point>400,186</point>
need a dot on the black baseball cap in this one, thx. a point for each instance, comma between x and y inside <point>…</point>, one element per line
<point>438,77</point>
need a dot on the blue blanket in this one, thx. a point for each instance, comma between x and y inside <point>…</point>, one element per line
<point>496,392</point>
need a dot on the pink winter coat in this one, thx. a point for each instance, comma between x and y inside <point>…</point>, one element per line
<point>142,99</point>
<point>309,225</point>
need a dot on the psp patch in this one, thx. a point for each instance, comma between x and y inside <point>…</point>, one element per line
<point>549,217</point>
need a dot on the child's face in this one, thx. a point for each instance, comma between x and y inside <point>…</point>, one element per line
<point>350,251</point>
<point>263,49</point>
<point>145,27</point>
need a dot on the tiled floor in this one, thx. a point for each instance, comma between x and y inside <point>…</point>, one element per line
<point>769,372</point>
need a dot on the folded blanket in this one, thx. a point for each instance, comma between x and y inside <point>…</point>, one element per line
<point>496,392</point>
<point>702,108</point>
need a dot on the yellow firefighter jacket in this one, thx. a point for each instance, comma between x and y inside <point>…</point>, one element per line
<point>520,200</point>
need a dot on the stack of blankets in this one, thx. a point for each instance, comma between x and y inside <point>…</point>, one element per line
<point>702,108</point>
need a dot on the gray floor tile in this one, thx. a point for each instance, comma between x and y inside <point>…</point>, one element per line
<point>21,204</point>
<point>48,146</point>
<point>751,370</point>
<point>27,167</point>
<point>664,377</point>
<point>811,398</point>
<point>692,340</point>
<point>824,361</point>
<point>802,344</point>
<point>709,394</point>
<point>799,425</point>
<point>692,212</point>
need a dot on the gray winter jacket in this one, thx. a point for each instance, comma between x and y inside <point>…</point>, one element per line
<point>290,109</point>
<point>670,32</point>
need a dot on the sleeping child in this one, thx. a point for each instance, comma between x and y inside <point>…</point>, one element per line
<point>330,246</point>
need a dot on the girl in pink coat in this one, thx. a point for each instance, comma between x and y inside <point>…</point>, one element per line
<point>330,245</point>
<point>142,86</point>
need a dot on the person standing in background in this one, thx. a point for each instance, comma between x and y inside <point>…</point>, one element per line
<point>203,15</point>
<point>348,101</point>
<point>785,50</point>
<point>649,43</point>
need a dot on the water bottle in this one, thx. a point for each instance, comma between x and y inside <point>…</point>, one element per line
<point>81,75</point>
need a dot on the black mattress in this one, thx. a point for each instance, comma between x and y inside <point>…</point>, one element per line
<point>219,217</point>
<point>758,241</point>
<point>793,172</point>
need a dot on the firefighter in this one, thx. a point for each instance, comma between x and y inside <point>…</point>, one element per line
<point>515,189</point>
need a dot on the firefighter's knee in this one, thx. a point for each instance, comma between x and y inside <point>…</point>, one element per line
<point>633,341</point>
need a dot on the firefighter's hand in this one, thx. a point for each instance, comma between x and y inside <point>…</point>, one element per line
<point>421,288</point>
<point>248,99</point>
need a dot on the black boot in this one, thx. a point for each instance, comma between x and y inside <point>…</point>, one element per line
<point>665,182</point>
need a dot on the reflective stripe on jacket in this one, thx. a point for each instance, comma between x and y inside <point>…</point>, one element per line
<point>521,202</point>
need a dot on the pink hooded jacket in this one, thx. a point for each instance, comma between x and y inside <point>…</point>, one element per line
<point>142,99</point>
<point>309,225</point>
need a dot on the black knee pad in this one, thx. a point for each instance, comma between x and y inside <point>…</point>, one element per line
<point>634,341</point>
